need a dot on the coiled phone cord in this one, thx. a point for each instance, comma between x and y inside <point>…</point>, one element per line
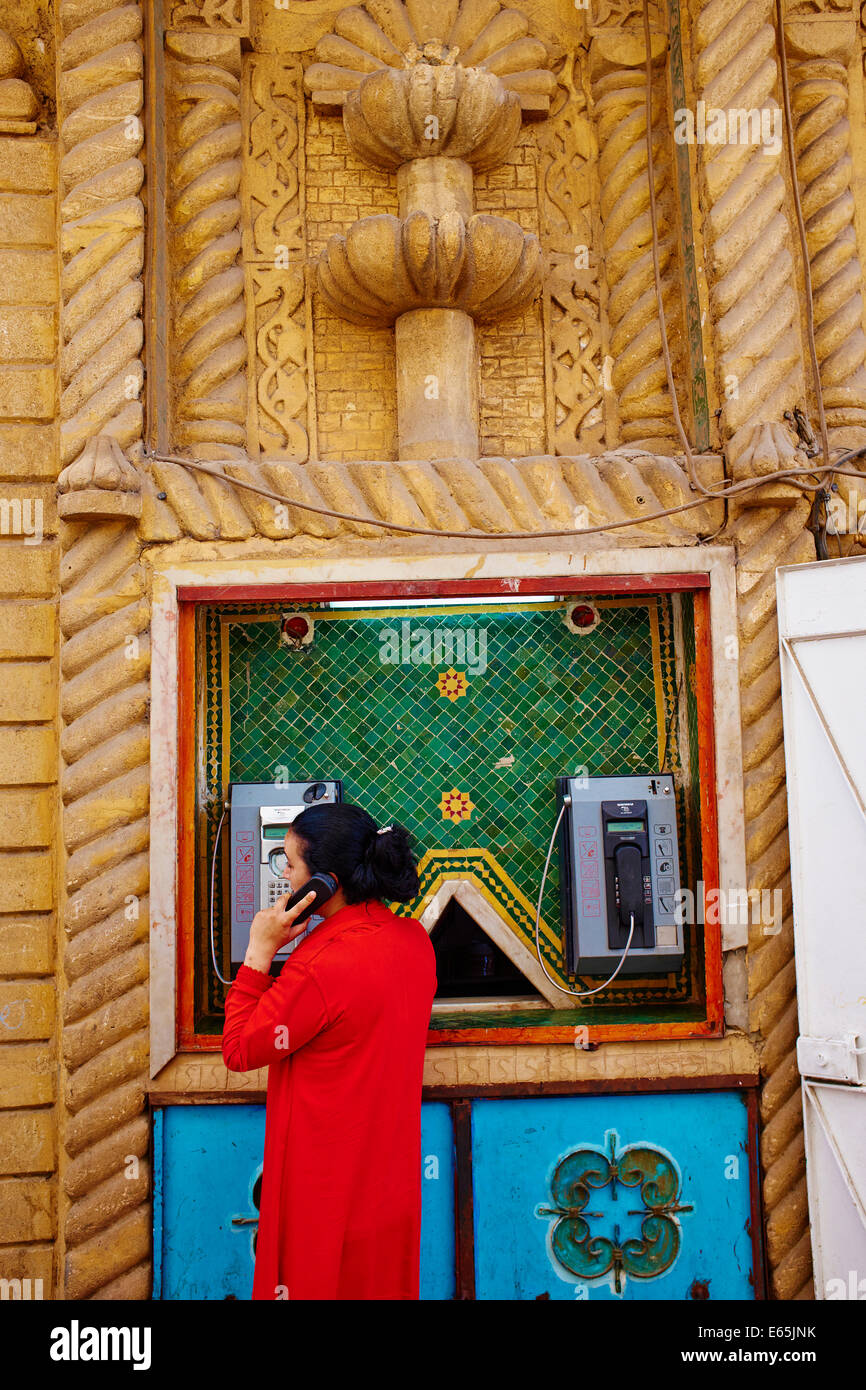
<point>216,845</point>
<point>577,993</point>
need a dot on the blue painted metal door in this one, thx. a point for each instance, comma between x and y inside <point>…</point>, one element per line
<point>207,1168</point>
<point>634,1197</point>
<point>608,1197</point>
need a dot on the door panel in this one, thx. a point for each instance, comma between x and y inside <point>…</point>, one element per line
<point>823,663</point>
<point>207,1163</point>
<point>575,1195</point>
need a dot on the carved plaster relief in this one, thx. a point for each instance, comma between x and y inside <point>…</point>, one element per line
<point>278,421</point>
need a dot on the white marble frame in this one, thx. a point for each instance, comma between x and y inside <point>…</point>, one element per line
<point>170,574</point>
<point>473,901</point>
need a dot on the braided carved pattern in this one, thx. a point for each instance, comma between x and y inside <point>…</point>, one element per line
<point>104,1211</point>
<point>105,785</point>
<point>822,136</point>
<point>752,269</point>
<point>765,539</point>
<point>209,345</point>
<point>753,289</point>
<point>495,495</point>
<point>638,373</point>
<point>100,95</point>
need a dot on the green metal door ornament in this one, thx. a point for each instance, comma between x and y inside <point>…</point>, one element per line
<point>639,1166</point>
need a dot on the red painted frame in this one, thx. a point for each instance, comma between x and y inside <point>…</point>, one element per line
<point>712,1026</point>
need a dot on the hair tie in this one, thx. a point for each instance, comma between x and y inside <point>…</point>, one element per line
<point>384,830</point>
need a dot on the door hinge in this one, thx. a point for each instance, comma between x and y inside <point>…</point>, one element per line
<point>831,1059</point>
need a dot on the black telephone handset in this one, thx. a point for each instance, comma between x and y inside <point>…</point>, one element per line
<point>627,859</point>
<point>323,885</point>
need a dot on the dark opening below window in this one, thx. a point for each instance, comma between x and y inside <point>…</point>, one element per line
<point>468,964</point>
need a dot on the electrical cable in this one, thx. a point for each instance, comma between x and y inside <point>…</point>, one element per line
<point>216,842</point>
<point>744,486</point>
<point>576,993</point>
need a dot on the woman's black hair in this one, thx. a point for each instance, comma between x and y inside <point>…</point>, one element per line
<point>344,840</point>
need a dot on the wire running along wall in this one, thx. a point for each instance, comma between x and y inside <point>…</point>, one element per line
<point>454,721</point>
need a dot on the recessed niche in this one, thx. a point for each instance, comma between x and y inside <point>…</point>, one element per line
<point>469,964</point>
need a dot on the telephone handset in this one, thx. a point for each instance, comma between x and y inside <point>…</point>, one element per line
<point>323,885</point>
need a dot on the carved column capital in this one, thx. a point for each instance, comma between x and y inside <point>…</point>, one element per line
<point>397,115</point>
<point>100,485</point>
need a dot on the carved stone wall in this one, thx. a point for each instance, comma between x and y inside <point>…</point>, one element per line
<point>29,565</point>
<point>266,376</point>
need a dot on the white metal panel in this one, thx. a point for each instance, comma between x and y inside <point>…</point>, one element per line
<point>822,635</point>
<point>835,1125</point>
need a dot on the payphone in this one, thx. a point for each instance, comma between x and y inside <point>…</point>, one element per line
<point>261,813</point>
<point>619,874</point>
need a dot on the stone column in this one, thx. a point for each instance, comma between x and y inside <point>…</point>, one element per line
<point>752,273</point>
<point>436,269</point>
<point>437,357</point>
<point>105,1219</point>
<point>819,49</point>
<point>638,376</point>
<point>752,266</point>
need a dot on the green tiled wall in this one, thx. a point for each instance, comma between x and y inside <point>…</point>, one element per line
<point>532,700</point>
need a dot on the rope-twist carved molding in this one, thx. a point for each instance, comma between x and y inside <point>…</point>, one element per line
<point>754,294</point>
<point>767,538</point>
<point>638,373</point>
<point>494,494</point>
<point>100,96</point>
<point>104,619</point>
<point>209,344</point>
<point>104,1172</point>
<point>753,283</point>
<point>822,135</point>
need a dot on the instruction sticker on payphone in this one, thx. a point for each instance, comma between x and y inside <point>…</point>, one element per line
<point>619,861</point>
<point>261,813</point>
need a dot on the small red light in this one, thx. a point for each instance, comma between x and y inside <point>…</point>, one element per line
<point>296,627</point>
<point>583,615</point>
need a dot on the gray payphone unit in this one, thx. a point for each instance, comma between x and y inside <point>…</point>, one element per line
<point>261,813</point>
<point>619,860</point>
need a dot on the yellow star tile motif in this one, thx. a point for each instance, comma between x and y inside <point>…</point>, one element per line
<point>452,684</point>
<point>456,806</point>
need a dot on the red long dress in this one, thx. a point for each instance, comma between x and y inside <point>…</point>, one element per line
<point>343,1030</point>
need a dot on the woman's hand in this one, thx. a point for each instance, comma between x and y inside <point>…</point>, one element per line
<point>272,929</point>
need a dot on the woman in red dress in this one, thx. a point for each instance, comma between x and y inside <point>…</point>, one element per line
<point>343,1030</point>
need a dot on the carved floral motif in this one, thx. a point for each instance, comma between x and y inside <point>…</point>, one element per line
<point>389,34</point>
<point>425,111</point>
<point>384,266</point>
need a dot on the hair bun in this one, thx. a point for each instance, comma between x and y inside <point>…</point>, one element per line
<point>389,866</point>
<point>369,861</point>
